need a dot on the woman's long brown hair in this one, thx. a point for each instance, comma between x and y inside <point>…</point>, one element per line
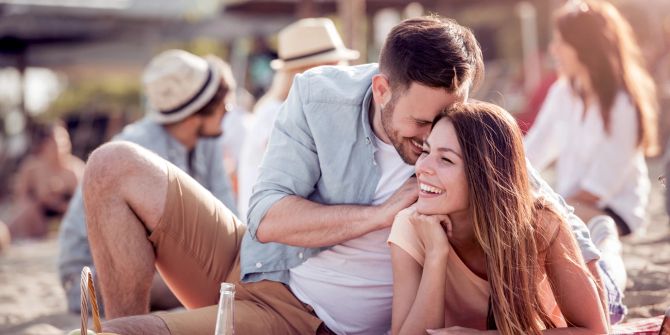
<point>606,46</point>
<point>503,212</point>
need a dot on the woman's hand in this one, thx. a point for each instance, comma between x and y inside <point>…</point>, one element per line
<point>433,230</point>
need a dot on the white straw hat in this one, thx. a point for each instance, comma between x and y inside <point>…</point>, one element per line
<point>177,84</point>
<point>308,42</point>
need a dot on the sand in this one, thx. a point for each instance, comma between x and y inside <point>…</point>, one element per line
<point>32,302</point>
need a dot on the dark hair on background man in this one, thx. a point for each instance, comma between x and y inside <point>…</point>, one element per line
<point>432,51</point>
<point>215,101</point>
<point>227,85</point>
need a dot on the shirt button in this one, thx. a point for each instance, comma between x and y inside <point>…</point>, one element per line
<point>300,255</point>
<point>367,140</point>
<point>259,265</point>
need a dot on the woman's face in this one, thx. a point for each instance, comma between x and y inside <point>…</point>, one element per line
<point>440,170</point>
<point>565,56</point>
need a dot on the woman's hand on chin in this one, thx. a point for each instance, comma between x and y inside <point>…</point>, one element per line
<point>433,231</point>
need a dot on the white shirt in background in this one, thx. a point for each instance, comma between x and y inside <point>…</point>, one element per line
<point>253,151</point>
<point>611,166</point>
<point>350,286</point>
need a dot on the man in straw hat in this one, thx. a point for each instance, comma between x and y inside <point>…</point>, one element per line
<point>186,96</point>
<point>302,45</point>
<point>337,169</point>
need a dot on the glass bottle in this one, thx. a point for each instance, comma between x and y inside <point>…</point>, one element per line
<point>225,316</point>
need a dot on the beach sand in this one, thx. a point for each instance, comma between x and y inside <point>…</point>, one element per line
<point>32,301</point>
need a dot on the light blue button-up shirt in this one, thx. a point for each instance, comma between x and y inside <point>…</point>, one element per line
<point>321,150</point>
<point>206,167</point>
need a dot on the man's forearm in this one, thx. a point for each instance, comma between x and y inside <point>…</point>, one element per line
<point>299,222</point>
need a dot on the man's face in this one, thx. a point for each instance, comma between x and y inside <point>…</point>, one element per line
<point>408,116</point>
<point>211,125</point>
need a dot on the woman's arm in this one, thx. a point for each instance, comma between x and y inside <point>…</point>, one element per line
<point>574,289</point>
<point>418,293</point>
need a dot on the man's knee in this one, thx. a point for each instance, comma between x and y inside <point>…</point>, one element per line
<point>107,163</point>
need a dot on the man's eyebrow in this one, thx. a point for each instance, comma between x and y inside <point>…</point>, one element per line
<point>421,120</point>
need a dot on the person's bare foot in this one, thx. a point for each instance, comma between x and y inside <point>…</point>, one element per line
<point>5,238</point>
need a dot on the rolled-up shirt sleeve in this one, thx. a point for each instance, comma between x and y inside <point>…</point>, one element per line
<point>290,165</point>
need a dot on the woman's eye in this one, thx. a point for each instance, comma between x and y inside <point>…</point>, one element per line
<point>444,159</point>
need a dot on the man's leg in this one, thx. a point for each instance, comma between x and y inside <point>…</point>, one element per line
<point>161,297</point>
<point>124,190</point>
<point>141,324</point>
<point>141,211</point>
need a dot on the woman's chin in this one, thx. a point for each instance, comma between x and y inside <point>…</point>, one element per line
<point>428,208</point>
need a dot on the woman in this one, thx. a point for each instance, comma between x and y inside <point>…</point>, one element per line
<point>45,182</point>
<point>599,119</point>
<point>477,252</point>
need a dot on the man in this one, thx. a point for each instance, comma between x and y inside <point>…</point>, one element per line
<point>336,172</point>
<point>297,43</point>
<point>187,97</point>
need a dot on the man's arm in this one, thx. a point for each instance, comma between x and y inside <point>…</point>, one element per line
<point>320,225</point>
<point>279,210</point>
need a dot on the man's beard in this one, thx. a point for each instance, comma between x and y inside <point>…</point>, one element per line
<point>402,145</point>
<point>203,134</point>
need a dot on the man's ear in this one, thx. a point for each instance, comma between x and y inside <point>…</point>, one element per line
<point>381,90</point>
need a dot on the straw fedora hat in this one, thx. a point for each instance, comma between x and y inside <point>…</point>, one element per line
<point>177,84</point>
<point>309,42</point>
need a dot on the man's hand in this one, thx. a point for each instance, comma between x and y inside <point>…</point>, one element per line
<point>405,196</point>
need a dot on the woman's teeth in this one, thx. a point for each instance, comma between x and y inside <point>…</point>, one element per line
<point>430,189</point>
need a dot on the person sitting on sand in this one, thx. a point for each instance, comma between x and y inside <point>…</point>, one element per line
<point>479,251</point>
<point>45,182</point>
<point>188,96</point>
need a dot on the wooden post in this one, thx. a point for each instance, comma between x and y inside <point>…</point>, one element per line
<point>353,18</point>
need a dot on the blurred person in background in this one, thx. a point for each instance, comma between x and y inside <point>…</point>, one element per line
<point>598,123</point>
<point>664,178</point>
<point>187,98</point>
<point>299,50</point>
<point>5,238</point>
<point>45,182</point>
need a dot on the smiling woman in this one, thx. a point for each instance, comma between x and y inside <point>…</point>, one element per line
<point>478,236</point>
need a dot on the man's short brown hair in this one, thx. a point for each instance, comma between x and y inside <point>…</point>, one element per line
<point>432,51</point>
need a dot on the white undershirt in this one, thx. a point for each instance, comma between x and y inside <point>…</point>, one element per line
<point>350,286</point>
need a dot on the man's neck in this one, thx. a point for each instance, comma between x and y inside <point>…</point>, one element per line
<point>375,116</point>
<point>184,132</point>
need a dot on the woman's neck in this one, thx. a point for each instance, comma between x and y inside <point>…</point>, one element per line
<point>462,236</point>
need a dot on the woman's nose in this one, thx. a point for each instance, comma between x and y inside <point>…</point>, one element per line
<point>425,165</point>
